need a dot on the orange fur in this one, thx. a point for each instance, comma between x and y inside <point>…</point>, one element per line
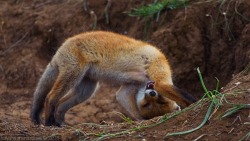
<point>86,58</point>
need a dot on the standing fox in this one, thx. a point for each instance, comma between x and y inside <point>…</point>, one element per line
<point>72,77</point>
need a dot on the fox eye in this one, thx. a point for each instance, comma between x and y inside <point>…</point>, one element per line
<point>161,102</point>
<point>145,105</point>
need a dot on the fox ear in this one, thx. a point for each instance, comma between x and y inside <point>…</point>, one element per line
<point>175,94</point>
<point>185,95</point>
<point>150,85</point>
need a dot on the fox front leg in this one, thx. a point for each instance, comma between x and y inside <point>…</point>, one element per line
<point>126,97</point>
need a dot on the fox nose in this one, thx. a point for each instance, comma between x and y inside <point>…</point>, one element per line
<point>152,93</point>
<point>178,108</point>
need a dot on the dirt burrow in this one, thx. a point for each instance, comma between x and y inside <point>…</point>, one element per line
<point>200,35</point>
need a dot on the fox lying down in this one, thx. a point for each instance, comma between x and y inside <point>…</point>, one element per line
<point>72,77</point>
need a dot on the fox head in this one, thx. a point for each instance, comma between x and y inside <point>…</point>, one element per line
<point>152,102</point>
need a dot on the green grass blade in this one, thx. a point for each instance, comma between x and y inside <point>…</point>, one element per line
<point>198,127</point>
<point>246,137</point>
<point>203,85</point>
<point>122,116</point>
<point>217,84</point>
<point>102,136</point>
<point>235,109</point>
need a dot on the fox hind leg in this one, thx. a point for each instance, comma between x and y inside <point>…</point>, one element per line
<point>76,95</point>
<point>44,85</point>
<point>65,80</point>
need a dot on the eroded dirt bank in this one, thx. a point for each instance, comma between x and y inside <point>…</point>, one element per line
<point>211,35</point>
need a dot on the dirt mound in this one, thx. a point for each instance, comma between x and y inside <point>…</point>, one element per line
<point>210,35</point>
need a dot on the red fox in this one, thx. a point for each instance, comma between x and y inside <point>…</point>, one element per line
<point>83,60</point>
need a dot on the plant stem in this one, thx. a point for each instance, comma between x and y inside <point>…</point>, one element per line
<point>198,127</point>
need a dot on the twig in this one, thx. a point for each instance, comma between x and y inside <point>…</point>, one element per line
<point>85,5</point>
<point>42,4</point>
<point>1,68</point>
<point>158,16</point>
<point>237,12</point>
<point>246,137</point>
<point>2,76</point>
<point>230,89</point>
<point>106,11</point>
<point>184,123</point>
<point>237,118</point>
<point>2,24</point>
<point>93,15</point>
<point>15,44</point>
<point>200,137</point>
<point>231,131</point>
